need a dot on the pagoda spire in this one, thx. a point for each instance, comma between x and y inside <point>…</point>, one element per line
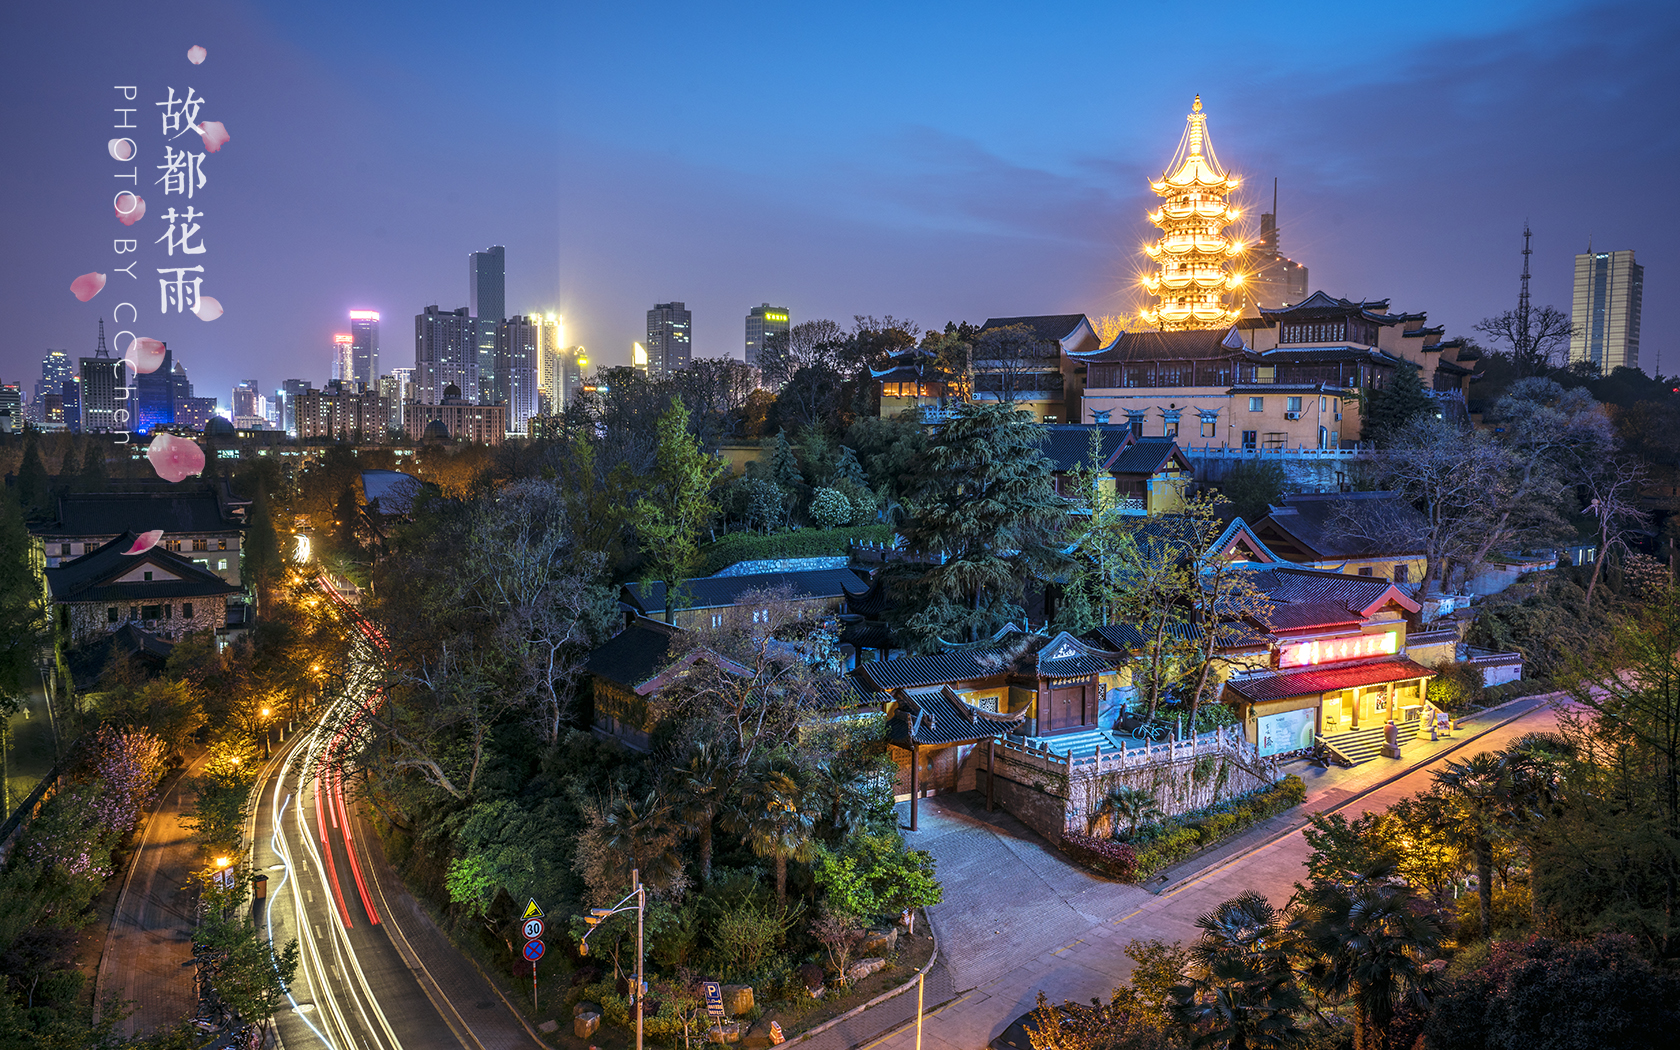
<point>1193,257</point>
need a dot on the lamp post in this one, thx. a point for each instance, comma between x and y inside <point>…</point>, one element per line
<point>596,916</point>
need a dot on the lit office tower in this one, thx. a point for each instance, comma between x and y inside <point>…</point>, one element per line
<point>763,321</point>
<point>397,389</point>
<point>56,368</point>
<point>364,347</point>
<point>517,339</point>
<point>669,338</point>
<point>288,394</point>
<point>487,302</point>
<point>445,353</point>
<point>550,330</point>
<point>154,393</point>
<point>100,378</point>
<point>343,361</point>
<point>1609,288</point>
<point>247,408</point>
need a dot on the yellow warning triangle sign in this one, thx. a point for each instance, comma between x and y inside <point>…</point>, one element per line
<point>531,910</point>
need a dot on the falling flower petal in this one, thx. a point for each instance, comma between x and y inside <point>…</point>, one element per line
<point>209,308</point>
<point>195,54</point>
<point>87,286</point>
<point>145,355</point>
<point>135,205</point>
<point>145,542</point>
<point>214,133</point>
<point>175,458</point>
<point>121,149</point>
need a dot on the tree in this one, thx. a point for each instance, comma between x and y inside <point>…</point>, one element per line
<point>32,482</point>
<point>1006,356</point>
<point>809,397</point>
<point>1365,943</point>
<point>1479,787</point>
<point>774,820</point>
<point>1538,338</point>
<point>1390,407</point>
<point>1240,990</point>
<point>1133,805</point>
<point>985,516</point>
<point>808,344</point>
<point>699,784</point>
<point>23,611</point>
<point>876,876</point>
<point>92,477</point>
<point>251,976</point>
<point>830,508</point>
<point>263,564</point>
<point>1614,491</point>
<point>1254,486</point>
<point>678,504</point>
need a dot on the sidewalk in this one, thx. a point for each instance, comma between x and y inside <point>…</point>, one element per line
<point>1018,918</point>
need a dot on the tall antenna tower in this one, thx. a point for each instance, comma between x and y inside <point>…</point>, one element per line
<point>1522,331</point>
<point>100,351</point>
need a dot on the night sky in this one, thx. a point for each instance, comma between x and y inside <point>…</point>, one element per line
<point>936,162</point>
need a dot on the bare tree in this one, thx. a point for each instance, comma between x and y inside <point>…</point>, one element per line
<point>1006,358</point>
<point>1613,493</point>
<point>807,344</point>
<point>1538,338</point>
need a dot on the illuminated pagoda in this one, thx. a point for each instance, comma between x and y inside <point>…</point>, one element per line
<point>1193,256</point>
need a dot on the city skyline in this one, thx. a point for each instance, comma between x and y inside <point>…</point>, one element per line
<point>1042,180</point>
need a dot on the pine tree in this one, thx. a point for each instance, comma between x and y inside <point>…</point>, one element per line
<point>32,484</point>
<point>983,498</point>
<point>785,471</point>
<point>678,504</point>
<point>1391,407</point>
<point>847,468</point>
<point>92,477</point>
<point>23,617</point>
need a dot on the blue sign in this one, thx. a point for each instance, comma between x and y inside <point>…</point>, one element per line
<point>714,998</point>
<point>533,950</point>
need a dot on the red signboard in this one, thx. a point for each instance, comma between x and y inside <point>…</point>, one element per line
<point>1334,650</point>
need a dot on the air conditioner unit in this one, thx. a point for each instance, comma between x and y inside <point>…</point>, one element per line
<point>1292,415</point>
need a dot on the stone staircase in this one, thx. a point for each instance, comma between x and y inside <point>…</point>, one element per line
<point>1362,745</point>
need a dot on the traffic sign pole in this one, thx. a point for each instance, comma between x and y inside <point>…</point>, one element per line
<point>531,925</point>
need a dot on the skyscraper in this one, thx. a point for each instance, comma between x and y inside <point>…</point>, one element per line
<point>517,340</point>
<point>396,387</point>
<point>288,394</point>
<point>100,378</point>
<point>344,356</point>
<point>1276,280</point>
<point>56,367</point>
<point>669,338</point>
<point>247,408</point>
<point>364,347</point>
<point>1609,294</point>
<point>154,394</point>
<point>487,283</point>
<point>445,353</point>
<point>763,321</point>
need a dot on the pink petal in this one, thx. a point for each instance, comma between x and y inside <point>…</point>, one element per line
<point>135,204</point>
<point>209,308</point>
<point>145,355</point>
<point>214,133</point>
<point>87,286</point>
<point>145,542</point>
<point>121,149</point>
<point>175,458</point>
<point>195,54</point>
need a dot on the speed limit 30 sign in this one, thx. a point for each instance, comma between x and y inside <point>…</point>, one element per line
<point>533,928</point>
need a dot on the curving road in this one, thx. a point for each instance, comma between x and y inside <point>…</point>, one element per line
<point>375,972</point>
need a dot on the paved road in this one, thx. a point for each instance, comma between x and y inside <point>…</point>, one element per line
<point>1016,919</point>
<point>375,974</point>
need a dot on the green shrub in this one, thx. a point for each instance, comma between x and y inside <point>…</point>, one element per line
<point>803,543</point>
<point>1177,839</point>
<point>1456,686</point>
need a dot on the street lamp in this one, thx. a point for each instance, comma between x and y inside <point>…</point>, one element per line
<point>596,916</point>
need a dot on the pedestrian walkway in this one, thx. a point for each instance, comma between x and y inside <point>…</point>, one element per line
<point>1017,918</point>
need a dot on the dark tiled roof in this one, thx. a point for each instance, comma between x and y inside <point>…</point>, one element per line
<point>93,577</point>
<point>1068,445</point>
<point>1300,585</point>
<point>89,660</point>
<point>1054,327</point>
<point>1297,617</point>
<point>1016,653</point>
<point>715,592</point>
<point>867,635</point>
<point>939,716</point>
<point>1418,333</point>
<point>1342,525</point>
<point>1201,344</point>
<point>1126,638</point>
<point>635,655</point>
<point>106,514</point>
<point>1327,679</point>
<point>1314,354</point>
<point>1149,456</point>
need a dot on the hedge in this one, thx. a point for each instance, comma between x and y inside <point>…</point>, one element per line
<point>1182,836</point>
<point>801,543</point>
<point>1498,694</point>
<point>1110,856</point>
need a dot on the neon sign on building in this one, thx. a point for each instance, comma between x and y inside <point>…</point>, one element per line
<point>1334,650</point>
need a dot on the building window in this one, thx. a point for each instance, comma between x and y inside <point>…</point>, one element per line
<point>1321,404</point>
<point>148,576</point>
<point>152,612</point>
<point>717,619</point>
<point>111,614</point>
<point>63,549</point>
<point>1402,573</point>
<point>1250,439</point>
<point>1294,405</point>
<point>201,545</point>
<point>169,612</point>
<point>1365,571</point>
<point>221,564</point>
<point>1209,426</point>
<point>221,545</point>
<point>1257,404</point>
<point>186,610</point>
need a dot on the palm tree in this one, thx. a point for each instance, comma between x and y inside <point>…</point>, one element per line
<point>699,785</point>
<point>774,819</point>
<point>1538,764</point>
<point>1480,789</point>
<point>641,833</point>
<point>1241,991</point>
<point>839,792</point>
<point>1133,805</point>
<point>1366,942</point>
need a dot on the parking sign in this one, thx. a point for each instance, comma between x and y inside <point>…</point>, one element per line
<point>714,998</point>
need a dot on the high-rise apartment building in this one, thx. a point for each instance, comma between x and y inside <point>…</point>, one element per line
<point>1609,294</point>
<point>288,395</point>
<point>397,388</point>
<point>763,321</point>
<point>102,374</point>
<point>669,338</point>
<point>343,412</point>
<point>56,367</point>
<point>247,406</point>
<point>517,342</point>
<point>364,347</point>
<point>445,353</point>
